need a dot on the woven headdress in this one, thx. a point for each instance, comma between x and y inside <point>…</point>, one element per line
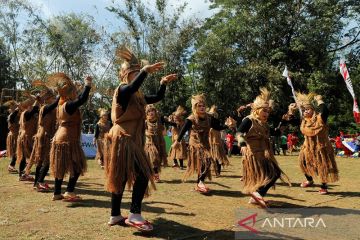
<point>62,83</point>
<point>151,107</point>
<point>11,104</point>
<point>305,100</point>
<point>197,99</point>
<point>45,92</point>
<point>263,100</point>
<point>180,111</point>
<point>178,114</point>
<point>26,103</point>
<point>130,62</point>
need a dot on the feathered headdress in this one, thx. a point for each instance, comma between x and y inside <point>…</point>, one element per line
<point>45,92</point>
<point>130,62</point>
<point>150,107</point>
<point>180,111</point>
<point>26,103</point>
<point>195,99</point>
<point>178,114</point>
<point>263,100</point>
<point>305,100</point>
<point>62,83</point>
<point>11,104</point>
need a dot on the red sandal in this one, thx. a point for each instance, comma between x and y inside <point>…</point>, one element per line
<point>306,184</point>
<point>143,226</point>
<point>260,201</point>
<point>71,197</point>
<point>202,190</point>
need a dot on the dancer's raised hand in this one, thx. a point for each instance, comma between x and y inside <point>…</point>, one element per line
<point>154,67</point>
<point>167,79</point>
<point>88,81</point>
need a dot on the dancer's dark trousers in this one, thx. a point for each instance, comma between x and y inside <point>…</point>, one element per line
<point>310,179</point>
<point>70,186</point>
<point>139,189</point>
<point>264,189</point>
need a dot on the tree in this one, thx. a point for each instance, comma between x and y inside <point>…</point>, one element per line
<point>5,71</point>
<point>159,35</point>
<point>246,45</point>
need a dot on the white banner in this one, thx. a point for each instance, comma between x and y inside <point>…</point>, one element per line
<point>344,72</point>
<point>288,79</point>
<point>87,145</point>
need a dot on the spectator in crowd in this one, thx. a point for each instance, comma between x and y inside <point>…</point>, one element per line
<point>292,142</point>
<point>229,142</point>
<point>283,140</point>
<point>338,144</point>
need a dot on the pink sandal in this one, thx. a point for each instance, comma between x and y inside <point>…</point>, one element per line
<point>202,190</point>
<point>260,201</point>
<point>71,197</point>
<point>306,184</point>
<point>157,178</point>
<point>143,226</point>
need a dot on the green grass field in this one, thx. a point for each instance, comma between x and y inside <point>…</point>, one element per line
<point>176,211</point>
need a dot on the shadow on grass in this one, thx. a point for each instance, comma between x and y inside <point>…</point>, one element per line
<point>296,184</point>
<point>168,229</point>
<point>83,183</point>
<point>146,207</point>
<point>226,193</point>
<point>281,204</point>
<point>333,211</point>
<point>345,194</point>
<point>87,191</point>
<point>176,181</point>
<point>285,196</point>
<point>165,229</point>
<point>219,184</point>
<point>230,176</point>
<point>167,203</point>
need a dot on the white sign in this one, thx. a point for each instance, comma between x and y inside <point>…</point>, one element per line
<point>87,145</point>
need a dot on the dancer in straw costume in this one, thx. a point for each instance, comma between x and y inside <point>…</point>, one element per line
<point>102,127</point>
<point>66,154</point>
<point>217,148</point>
<point>176,120</point>
<point>13,126</point>
<point>40,154</point>
<point>199,158</point>
<point>126,161</point>
<point>317,157</point>
<point>260,168</point>
<point>28,126</point>
<point>154,139</point>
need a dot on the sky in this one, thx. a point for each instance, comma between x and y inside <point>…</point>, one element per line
<point>96,8</point>
<point>102,17</point>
